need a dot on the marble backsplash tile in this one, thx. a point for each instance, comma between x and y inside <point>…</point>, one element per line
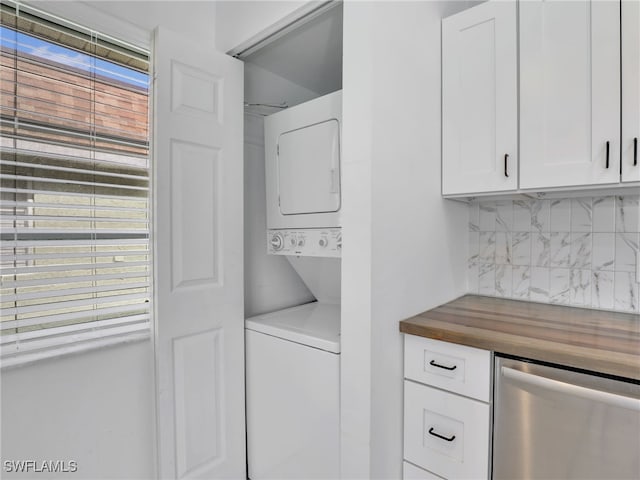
<point>578,251</point>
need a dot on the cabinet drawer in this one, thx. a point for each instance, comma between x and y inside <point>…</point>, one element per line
<point>445,433</point>
<point>411,472</point>
<point>457,368</point>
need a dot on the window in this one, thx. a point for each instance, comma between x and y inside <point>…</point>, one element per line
<point>74,168</point>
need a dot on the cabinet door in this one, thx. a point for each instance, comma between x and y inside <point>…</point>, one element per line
<point>630,90</point>
<point>569,93</point>
<point>479,100</point>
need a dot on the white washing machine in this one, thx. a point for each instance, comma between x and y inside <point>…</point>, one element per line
<point>293,400</point>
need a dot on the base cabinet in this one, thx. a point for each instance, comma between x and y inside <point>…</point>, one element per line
<point>447,418</point>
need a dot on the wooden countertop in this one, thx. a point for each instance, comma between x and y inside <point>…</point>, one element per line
<point>593,340</point>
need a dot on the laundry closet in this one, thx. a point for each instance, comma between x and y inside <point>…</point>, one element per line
<point>293,245</point>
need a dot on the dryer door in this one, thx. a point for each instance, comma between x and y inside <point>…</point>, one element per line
<point>309,169</point>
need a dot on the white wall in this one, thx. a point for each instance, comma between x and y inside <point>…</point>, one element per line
<point>94,408</point>
<point>270,281</point>
<point>404,246</point>
<point>239,21</point>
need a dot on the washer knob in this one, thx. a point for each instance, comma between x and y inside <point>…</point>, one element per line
<point>292,241</point>
<point>301,242</point>
<point>323,242</point>
<point>339,241</point>
<point>276,242</point>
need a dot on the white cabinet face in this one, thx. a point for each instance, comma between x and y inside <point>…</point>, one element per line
<point>456,368</point>
<point>445,433</point>
<point>479,100</point>
<point>630,90</point>
<point>308,169</point>
<point>569,93</point>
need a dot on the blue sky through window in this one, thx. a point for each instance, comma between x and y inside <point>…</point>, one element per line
<point>50,51</point>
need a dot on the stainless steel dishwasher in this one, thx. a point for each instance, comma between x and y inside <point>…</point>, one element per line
<point>552,423</point>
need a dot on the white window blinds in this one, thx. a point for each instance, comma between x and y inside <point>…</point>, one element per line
<point>74,171</point>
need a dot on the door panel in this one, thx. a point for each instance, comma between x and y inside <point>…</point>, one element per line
<point>569,93</point>
<point>199,321</point>
<point>194,175</point>
<point>630,90</point>
<point>198,418</point>
<point>479,100</point>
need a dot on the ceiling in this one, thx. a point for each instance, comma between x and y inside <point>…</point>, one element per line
<point>192,18</point>
<point>309,56</point>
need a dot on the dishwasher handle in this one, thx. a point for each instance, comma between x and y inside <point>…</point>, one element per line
<point>571,389</point>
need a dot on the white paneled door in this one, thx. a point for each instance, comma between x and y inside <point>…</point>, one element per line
<point>199,324</point>
<point>480,100</point>
<point>569,93</point>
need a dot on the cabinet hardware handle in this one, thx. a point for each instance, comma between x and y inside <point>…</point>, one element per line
<point>607,154</point>
<point>569,389</point>
<point>506,171</point>
<point>448,439</point>
<point>434,364</point>
<point>635,151</point>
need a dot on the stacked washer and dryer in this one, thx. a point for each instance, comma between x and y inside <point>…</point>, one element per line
<point>293,355</point>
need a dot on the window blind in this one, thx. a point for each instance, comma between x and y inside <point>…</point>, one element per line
<point>74,170</point>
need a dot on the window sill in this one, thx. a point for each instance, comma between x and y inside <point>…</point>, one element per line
<point>28,358</point>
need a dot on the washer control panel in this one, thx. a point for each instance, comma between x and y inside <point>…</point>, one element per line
<point>310,242</point>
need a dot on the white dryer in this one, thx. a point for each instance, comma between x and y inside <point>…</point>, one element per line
<point>303,179</point>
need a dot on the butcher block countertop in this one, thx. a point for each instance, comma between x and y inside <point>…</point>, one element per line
<point>593,340</point>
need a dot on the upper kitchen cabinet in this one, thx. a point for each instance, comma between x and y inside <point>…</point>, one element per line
<point>570,93</point>
<point>630,90</point>
<point>479,100</point>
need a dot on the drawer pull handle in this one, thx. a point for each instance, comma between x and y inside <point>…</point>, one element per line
<point>635,152</point>
<point>447,439</point>
<point>434,364</point>
<point>607,149</point>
